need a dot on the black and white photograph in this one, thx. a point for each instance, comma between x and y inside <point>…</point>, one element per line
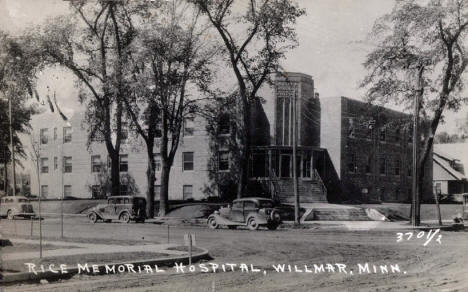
<point>233,145</point>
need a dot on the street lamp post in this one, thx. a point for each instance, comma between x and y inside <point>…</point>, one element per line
<point>11,142</point>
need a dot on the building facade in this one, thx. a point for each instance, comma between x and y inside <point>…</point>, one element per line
<point>371,150</point>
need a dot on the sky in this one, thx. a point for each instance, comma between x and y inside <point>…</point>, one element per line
<point>331,47</point>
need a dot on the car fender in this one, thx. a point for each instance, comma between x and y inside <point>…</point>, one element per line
<point>98,214</point>
<point>123,211</point>
<point>258,217</point>
<point>223,221</point>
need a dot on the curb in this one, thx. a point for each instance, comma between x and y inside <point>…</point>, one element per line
<point>48,275</point>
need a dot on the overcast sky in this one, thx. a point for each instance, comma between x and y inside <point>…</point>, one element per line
<point>330,49</point>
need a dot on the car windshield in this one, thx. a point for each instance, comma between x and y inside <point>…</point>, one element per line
<point>266,204</point>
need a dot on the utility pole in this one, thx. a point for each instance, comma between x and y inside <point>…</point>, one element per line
<point>11,145</point>
<point>415,208</point>
<point>294,132</point>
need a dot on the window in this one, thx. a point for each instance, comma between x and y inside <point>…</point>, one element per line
<point>383,134</point>
<point>224,127</point>
<point>95,163</point>
<point>306,165</point>
<point>285,165</point>
<point>188,126</point>
<point>157,191</point>
<point>44,136</point>
<point>249,205</point>
<point>382,165</point>
<point>124,132</point>
<point>352,163</point>
<point>44,191</point>
<point>123,164</point>
<point>369,164</point>
<point>187,192</point>
<point>67,134</point>
<point>123,190</point>
<point>438,188</point>
<point>223,161</point>
<point>351,128</point>
<point>67,191</point>
<point>237,205</point>
<point>96,191</point>
<point>187,161</point>
<point>55,134</point>
<point>44,165</point>
<point>396,166</point>
<point>55,163</point>
<point>67,164</point>
<point>157,162</point>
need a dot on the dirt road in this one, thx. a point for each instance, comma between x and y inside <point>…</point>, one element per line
<point>436,267</point>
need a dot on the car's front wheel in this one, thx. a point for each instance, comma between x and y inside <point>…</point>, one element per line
<point>252,224</point>
<point>92,217</point>
<point>212,223</point>
<point>124,217</point>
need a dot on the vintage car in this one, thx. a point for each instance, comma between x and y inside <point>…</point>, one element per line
<point>16,206</point>
<point>251,212</point>
<point>121,208</point>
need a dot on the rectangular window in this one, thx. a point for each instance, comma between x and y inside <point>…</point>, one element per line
<point>67,164</point>
<point>44,165</point>
<point>124,132</point>
<point>96,191</point>
<point>285,165</point>
<point>123,190</point>
<point>44,136</point>
<point>44,191</point>
<point>382,165</point>
<point>351,128</point>
<point>123,162</point>
<point>438,188</point>
<point>224,126</point>
<point>157,162</point>
<point>55,163</point>
<point>67,134</point>
<point>188,126</point>
<point>396,166</point>
<point>223,161</point>
<point>55,134</point>
<point>187,161</point>
<point>383,134</point>
<point>67,191</point>
<point>187,192</point>
<point>352,167</point>
<point>95,163</point>
<point>369,164</point>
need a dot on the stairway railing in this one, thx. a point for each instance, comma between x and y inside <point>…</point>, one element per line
<point>320,182</point>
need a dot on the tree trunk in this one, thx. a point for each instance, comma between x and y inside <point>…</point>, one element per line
<point>245,146</point>
<point>151,179</point>
<point>6,175</point>
<point>115,173</point>
<point>164,197</point>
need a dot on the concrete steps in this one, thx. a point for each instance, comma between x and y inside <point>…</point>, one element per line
<point>309,191</point>
<point>342,214</point>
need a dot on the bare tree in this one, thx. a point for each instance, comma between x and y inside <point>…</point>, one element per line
<point>420,55</point>
<point>268,33</point>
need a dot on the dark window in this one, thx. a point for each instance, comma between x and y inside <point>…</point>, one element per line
<point>55,163</point>
<point>123,190</point>
<point>96,191</point>
<point>258,165</point>
<point>55,134</point>
<point>44,191</point>
<point>382,165</point>
<point>369,164</point>
<point>248,205</point>
<point>383,134</point>
<point>123,164</point>
<point>223,162</point>
<point>438,188</point>
<point>187,161</point>
<point>187,192</point>
<point>285,166</point>
<point>352,163</point>
<point>67,134</point>
<point>44,136</point>
<point>396,166</point>
<point>224,124</point>
<point>95,163</point>
<point>237,205</point>
<point>266,204</point>
<point>67,164</point>
<point>44,165</point>
<point>111,201</point>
